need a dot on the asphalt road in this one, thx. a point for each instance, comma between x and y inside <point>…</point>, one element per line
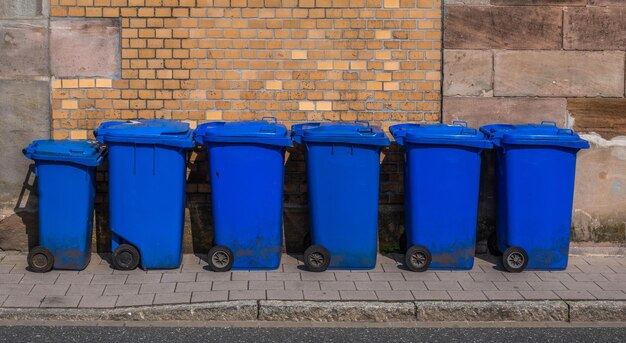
<point>68,334</point>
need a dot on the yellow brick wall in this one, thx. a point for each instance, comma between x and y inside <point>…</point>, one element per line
<point>301,60</point>
<point>297,60</point>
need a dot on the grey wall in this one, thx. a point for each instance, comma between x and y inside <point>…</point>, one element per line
<point>24,96</point>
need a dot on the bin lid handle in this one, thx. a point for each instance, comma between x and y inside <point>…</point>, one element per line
<point>548,122</point>
<point>367,127</point>
<point>459,123</point>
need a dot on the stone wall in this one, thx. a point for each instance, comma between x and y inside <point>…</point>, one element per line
<point>561,60</point>
<point>24,113</point>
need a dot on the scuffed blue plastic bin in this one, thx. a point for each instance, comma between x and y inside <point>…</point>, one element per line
<point>66,176</point>
<point>246,167</point>
<point>343,164</point>
<point>536,166</point>
<point>147,172</point>
<point>442,178</point>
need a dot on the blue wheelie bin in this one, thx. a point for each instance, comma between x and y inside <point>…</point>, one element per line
<point>536,166</point>
<point>343,164</point>
<point>442,178</point>
<point>147,172</point>
<point>66,177</point>
<point>246,167</point>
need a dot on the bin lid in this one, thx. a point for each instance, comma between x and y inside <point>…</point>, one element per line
<point>443,134</point>
<point>252,131</point>
<point>546,133</point>
<point>152,131</point>
<point>88,153</point>
<point>356,132</point>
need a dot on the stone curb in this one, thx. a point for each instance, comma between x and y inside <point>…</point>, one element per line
<point>597,311</point>
<point>336,311</point>
<point>518,311</point>
<point>218,311</point>
<point>349,311</point>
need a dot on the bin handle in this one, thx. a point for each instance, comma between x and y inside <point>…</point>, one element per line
<point>271,118</point>
<point>367,127</point>
<point>459,123</point>
<point>548,122</point>
<point>565,132</point>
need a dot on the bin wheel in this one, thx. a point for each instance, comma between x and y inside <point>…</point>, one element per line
<point>515,259</point>
<point>125,257</point>
<point>40,260</point>
<point>316,258</point>
<point>492,245</point>
<point>221,259</point>
<point>418,258</point>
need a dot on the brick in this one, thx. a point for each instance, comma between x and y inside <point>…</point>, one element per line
<point>483,111</point>
<point>246,295</point>
<point>539,295</point>
<point>306,106</point>
<point>157,288</point>
<point>503,295</point>
<point>265,285</point>
<point>108,279</point>
<point>121,289</point>
<point>78,134</point>
<point>98,301</point>
<point>575,295</point>
<point>230,285</point>
<point>22,301</point>
<point>87,290</point>
<point>301,285</point>
<point>16,289</point>
<point>595,28</point>
<point>383,34</point>
<point>559,73</point>
<point>512,286</point>
<point>431,295</point>
<point>524,27</point>
<point>357,295</point>
<point>104,83</point>
<point>325,65</point>
<point>134,300</point>
<point>172,298</point>
<point>69,301</point>
<point>606,117</point>
<point>209,296</point>
<point>73,43</point>
<point>65,279</point>
<point>248,275</point>
<point>299,55</point>
<point>467,72</point>
<point>321,295</point>
<point>49,290</point>
<point>467,295</point>
<point>178,277</point>
<point>274,85</point>
<point>23,48</point>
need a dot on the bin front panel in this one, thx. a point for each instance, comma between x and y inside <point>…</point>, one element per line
<point>147,200</point>
<point>343,184</point>
<point>247,198</point>
<point>441,192</point>
<point>539,185</point>
<point>66,197</point>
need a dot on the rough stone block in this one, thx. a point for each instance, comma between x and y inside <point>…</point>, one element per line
<point>606,117</point>
<point>526,311</point>
<point>539,2</point>
<point>524,27</point>
<point>24,116</point>
<point>467,72</point>
<point>600,194</point>
<point>595,28</point>
<point>607,2</point>
<point>85,48</point>
<point>559,73</point>
<point>481,111</point>
<point>23,48</point>
<point>274,310</point>
<point>597,311</point>
<point>21,8</point>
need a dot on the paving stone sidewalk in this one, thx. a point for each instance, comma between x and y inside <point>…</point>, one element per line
<point>99,286</point>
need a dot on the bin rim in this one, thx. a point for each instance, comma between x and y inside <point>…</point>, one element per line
<point>457,134</point>
<point>151,131</point>
<point>350,132</point>
<point>83,152</point>
<point>249,131</point>
<point>547,133</point>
